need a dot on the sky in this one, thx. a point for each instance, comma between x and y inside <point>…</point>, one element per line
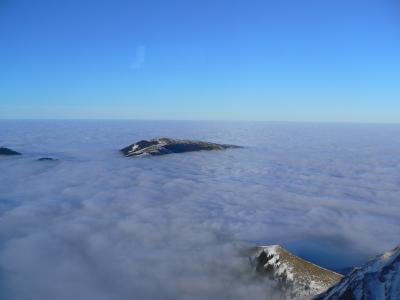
<point>289,60</point>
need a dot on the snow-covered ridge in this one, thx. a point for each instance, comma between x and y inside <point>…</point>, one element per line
<point>377,279</point>
<point>295,277</point>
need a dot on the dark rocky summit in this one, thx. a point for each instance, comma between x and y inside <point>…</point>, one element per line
<point>163,146</point>
<point>6,151</point>
<point>377,279</point>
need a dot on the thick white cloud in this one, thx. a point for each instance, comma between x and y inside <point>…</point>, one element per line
<point>96,225</point>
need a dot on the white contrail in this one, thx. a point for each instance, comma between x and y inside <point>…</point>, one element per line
<point>139,58</point>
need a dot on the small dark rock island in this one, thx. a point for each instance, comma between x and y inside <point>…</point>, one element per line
<point>46,159</point>
<point>163,146</point>
<point>6,151</point>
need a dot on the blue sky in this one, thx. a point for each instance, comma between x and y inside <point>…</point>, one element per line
<point>287,60</point>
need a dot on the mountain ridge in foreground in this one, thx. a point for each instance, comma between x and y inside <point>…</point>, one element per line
<point>378,279</point>
<point>294,276</point>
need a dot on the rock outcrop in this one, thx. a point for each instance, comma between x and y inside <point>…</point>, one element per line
<point>6,151</point>
<point>46,159</point>
<point>378,279</point>
<point>163,146</point>
<point>296,278</point>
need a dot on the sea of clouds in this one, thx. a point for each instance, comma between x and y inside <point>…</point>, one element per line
<point>97,225</point>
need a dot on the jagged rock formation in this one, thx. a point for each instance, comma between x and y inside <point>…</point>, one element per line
<point>6,151</point>
<point>163,146</point>
<point>377,279</point>
<point>295,277</point>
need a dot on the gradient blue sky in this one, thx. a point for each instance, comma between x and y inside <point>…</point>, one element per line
<point>289,60</point>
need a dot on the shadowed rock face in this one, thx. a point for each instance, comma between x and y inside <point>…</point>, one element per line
<point>295,277</point>
<point>377,279</point>
<point>6,151</point>
<point>166,146</point>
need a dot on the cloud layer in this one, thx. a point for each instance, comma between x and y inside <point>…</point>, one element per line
<point>96,225</point>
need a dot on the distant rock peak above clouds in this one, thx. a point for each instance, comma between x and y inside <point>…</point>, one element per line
<point>46,159</point>
<point>7,151</point>
<point>162,146</point>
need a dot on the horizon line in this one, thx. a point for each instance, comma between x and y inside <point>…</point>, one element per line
<point>206,120</point>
